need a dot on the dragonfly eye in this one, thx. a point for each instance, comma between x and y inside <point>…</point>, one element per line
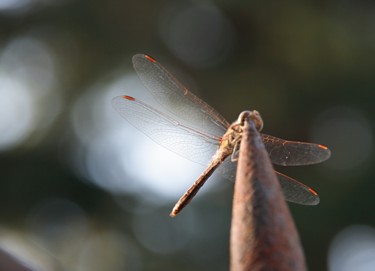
<point>255,117</point>
<point>243,116</point>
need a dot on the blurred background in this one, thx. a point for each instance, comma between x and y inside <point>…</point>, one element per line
<point>81,189</point>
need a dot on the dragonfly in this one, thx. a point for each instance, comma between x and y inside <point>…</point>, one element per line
<point>189,127</point>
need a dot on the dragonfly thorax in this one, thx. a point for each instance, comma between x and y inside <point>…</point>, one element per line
<point>231,140</point>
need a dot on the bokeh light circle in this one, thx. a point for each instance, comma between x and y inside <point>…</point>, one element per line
<point>353,249</point>
<point>347,132</point>
<point>199,34</point>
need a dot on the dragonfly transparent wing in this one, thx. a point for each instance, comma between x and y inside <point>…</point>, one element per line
<point>185,141</point>
<point>297,192</point>
<point>293,190</point>
<point>176,99</point>
<point>293,153</point>
<point>195,113</point>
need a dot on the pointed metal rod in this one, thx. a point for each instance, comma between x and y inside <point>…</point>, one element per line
<point>263,233</point>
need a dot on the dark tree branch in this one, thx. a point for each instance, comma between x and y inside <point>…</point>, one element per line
<point>263,234</point>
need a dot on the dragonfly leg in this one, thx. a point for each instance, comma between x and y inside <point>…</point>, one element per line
<point>235,153</point>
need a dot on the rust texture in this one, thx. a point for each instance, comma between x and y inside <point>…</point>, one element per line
<point>263,233</point>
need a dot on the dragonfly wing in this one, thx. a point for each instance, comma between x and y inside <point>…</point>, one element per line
<point>297,192</point>
<point>164,130</point>
<point>293,190</point>
<point>293,153</point>
<point>228,169</point>
<point>176,99</point>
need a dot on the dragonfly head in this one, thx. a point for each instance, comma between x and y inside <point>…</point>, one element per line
<point>254,116</point>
